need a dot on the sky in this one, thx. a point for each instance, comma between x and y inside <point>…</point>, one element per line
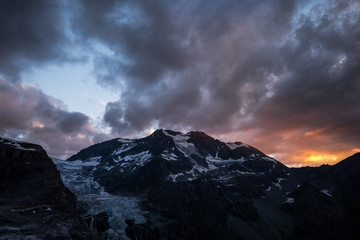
<point>280,75</point>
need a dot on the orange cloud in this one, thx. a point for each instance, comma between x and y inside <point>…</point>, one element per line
<point>315,132</point>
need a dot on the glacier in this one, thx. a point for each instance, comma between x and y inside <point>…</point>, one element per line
<point>95,199</point>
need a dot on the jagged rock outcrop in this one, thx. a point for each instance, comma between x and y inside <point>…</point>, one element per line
<point>34,203</point>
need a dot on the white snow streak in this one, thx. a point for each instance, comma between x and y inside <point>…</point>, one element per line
<point>327,192</point>
<point>234,145</point>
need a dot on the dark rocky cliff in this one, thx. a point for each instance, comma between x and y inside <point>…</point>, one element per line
<point>33,200</point>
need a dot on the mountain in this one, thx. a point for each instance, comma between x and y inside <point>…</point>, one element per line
<point>341,180</point>
<point>166,156</point>
<point>189,183</point>
<point>326,206</point>
<point>34,203</point>
<point>172,185</point>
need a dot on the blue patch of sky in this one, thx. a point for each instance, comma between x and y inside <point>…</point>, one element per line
<point>74,85</point>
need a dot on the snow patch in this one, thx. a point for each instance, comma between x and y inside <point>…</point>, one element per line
<point>216,160</point>
<point>268,159</point>
<point>278,183</point>
<point>235,145</point>
<point>191,174</point>
<point>327,192</point>
<point>18,146</point>
<point>181,143</point>
<point>173,177</point>
<point>125,147</point>
<point>108,168</point>
<point>186,148</point>
<point>289,200</point>
<point>124,140</point>
<point>169,157</point>
<point>138,159</point>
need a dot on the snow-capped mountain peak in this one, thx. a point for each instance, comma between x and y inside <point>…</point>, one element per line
<point>166,155</point>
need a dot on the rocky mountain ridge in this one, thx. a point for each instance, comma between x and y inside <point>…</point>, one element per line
<point>175,157</point>
<point>191,182</point>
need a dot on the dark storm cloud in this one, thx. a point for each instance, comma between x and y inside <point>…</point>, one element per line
<point>31,35</point>
<point>208,63</point>
<point>142,32</point>
<point>28,113</point>
<point>70,122</point>
<point>322,77</point>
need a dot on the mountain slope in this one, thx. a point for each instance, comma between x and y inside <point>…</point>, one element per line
<point>329,201</point>
<point>192,186</point>
<point>189,183</point>
<point>34,202</point>
<point>167,156</point>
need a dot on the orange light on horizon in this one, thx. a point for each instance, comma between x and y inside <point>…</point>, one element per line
<point>315,158</point>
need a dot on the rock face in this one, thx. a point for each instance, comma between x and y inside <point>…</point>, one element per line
<point>192,185</point>
<point>34,203</point>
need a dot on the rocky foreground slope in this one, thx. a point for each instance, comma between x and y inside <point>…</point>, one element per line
<point>34,203</point>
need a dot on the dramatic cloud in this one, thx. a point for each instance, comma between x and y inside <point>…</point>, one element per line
<point>281,75</point>
<point>207,63</point>
<point>29,114</point>
<point>32,34</point>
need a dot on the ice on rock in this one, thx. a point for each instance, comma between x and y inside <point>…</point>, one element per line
<point>289,200</point>
<point>125,147</point>
<point>16,145</point>
<point>234,145</point>
<point>90,194</point>
<point>278,183</point>
<point>327,192</point>
<point>218,160</point>
<point>269,159</point>
<point>139,158</point>
<point>181,143</point>
<point>124,140</point>
<point>169,157</point>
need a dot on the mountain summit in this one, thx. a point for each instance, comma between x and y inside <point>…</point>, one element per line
<point>167,156</point>
<point>190,182</point>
